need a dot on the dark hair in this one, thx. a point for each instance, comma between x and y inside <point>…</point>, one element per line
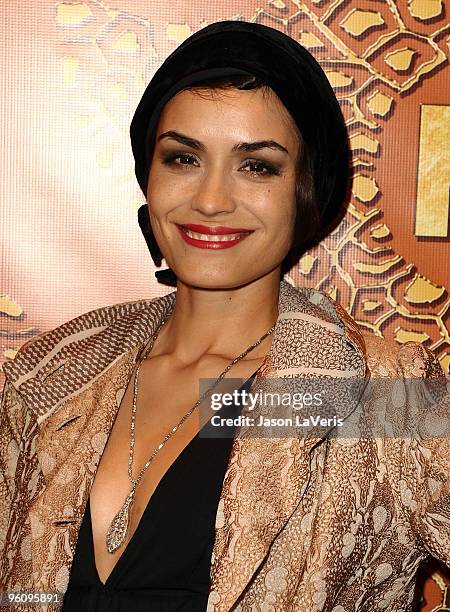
<point>307,226</point>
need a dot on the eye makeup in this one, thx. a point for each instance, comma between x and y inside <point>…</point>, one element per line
<point>265,168</point>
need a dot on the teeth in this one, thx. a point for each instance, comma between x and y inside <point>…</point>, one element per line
<point>213,237</point>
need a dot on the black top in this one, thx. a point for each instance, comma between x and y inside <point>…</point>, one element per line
<point>165,567</point>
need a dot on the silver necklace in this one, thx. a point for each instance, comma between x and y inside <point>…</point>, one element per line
<point>117,531</point>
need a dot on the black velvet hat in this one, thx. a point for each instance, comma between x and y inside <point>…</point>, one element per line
<point>227,48</point>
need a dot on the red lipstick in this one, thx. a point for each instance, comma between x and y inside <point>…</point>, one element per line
<point>223,237</point>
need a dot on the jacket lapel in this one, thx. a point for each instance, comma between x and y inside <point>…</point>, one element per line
<point>61,364</point>
<point>266,477</point>
<point>72,381</point>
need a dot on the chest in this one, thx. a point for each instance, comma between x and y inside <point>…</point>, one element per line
<point>157,404</point>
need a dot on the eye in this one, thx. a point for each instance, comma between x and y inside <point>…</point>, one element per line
<point>261,168</point>
<point>170,159</point>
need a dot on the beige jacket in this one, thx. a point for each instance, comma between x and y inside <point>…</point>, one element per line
<point>303,524</point>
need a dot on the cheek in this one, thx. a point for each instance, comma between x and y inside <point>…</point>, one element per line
<point>278,212</point>
<point>161,194</point>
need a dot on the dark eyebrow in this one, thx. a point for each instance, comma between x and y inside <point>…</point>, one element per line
<point>247,147</point>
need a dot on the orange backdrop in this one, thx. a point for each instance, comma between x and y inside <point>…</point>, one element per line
<point>73,73</point>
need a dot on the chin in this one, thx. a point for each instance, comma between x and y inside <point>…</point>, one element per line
<point>204,278</point>
<point>201,282</point>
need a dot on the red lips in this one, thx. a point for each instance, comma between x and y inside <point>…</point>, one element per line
<point>218,230</point>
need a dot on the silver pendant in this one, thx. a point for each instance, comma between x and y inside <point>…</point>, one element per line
<point>117,531</point>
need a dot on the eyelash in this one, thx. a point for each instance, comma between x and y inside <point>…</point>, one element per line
<point>270,170</point>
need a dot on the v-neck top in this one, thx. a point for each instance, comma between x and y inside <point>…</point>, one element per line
<point>165,566</point>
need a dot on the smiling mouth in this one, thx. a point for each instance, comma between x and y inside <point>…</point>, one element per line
<point>220,237</point>
<point>213,237</point>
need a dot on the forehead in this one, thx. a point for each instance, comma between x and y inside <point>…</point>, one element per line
<point>255,111</point>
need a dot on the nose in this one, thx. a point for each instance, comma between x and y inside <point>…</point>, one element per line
<point>213,194</point>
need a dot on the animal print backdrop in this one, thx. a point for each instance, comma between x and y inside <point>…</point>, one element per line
<point>73,73</point>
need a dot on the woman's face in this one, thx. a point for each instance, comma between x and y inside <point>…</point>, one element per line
<point>225,162</point>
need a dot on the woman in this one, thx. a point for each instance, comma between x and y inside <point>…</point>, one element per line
<point>111,495</point>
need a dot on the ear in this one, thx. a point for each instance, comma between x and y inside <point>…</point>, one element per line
<point>146,229</point>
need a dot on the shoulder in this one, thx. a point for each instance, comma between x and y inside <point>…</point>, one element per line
<point>383,357</point>
<point>386,357</point>
<point>110,329</point>
<point>81,327</point>
<point>410,359</point>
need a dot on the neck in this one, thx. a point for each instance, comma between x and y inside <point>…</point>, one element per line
<point>221,322</point>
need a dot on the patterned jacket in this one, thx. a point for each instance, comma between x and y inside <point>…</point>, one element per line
<point>303,524</point>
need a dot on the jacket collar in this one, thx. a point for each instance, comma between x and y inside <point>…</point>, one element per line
<point>67,354</point>
<point>267,478</point>
<point>60,364</point>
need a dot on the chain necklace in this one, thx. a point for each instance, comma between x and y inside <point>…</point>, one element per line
<point>117,531</point>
